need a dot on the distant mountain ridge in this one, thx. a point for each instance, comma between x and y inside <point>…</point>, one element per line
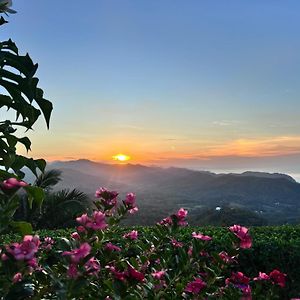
<point>274,197</point>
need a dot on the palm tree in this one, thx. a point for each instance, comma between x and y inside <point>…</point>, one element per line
<point>59,208</point>
<point>48,179</point>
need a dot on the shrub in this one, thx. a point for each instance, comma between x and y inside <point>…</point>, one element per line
<point>100,261</point>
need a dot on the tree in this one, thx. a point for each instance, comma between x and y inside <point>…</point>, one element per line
<point>21,94</point>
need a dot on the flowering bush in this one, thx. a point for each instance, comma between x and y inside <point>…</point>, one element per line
<point>97,261</point>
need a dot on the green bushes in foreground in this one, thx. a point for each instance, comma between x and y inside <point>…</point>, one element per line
<point>101,260</point>
<point>273,247</point>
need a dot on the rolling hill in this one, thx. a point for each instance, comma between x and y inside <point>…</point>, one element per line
<point>266,198</point>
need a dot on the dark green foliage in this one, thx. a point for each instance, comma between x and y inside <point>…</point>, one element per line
<point>60,208</point>
<point>273,247</point>
<point>48,179</point>
<point>227,216</point>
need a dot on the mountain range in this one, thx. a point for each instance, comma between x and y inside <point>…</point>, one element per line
<point>254,198</point>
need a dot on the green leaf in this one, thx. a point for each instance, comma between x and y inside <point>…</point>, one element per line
<point>22,227</point>
<point>26,142</point>
<point>41,164</point>
<point>46,107</point>
<point>35,194</point>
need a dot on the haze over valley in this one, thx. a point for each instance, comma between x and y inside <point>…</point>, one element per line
<point>254,198</point>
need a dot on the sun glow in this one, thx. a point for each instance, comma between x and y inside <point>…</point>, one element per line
<point>121,157</point>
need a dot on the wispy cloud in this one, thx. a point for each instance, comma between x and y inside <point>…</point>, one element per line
<point>226,123</point>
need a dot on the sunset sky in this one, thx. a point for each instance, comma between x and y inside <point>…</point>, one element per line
<point>201,84</point>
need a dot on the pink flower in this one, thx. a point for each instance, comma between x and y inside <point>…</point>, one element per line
<point>159,274</point>
<point>134,274</point>
<point>48,242</point>
<point>79,253</point>
<point>190,251</point>
<point>81,229</point>
<point>96,222</point>
<point>129,202</point>
<point>26,250</point>
<point>166,221</point>
<point>75,236</point>
<point>196,286</point>
<point>133,235</point>
<point>247,293</point>
<point>133,210</point>
<point>108,198</point>
<point>226,258</point>
<point>111,247</point>
<point>17,277</point>
<point>118,275</point>
<point>243,234</point>
<point>13,183</point>
<point>237,277</point>
<point>262,276</point>
<point>32,263</point>
<point>278,278</point>
<point>4,257</point>
<point>130,199</point>
<point>200,236</point>
<point>72,271</point>
<point>92,266</point>
<point>181,215</point>
<point>240,281</point>
<point>176,244</point>
<point>83,220</point>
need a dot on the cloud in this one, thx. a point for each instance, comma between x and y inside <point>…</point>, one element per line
<point>226,122</point>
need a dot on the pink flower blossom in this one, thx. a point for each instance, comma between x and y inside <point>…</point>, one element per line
<point>17,277</point>
<point>247,292</point>
<point>176,244</point>
<point>117,274</point>
<point>75,236</point>
<point>32,263</point>
<point>111,247</point>
<point>79,253</point>
<point>96,222</point>
<point>181,215</point>
<point>26,250</point>
<point>166,221</point>
<point>81,229</point>
<point>72,271</point>
<point>108,198</point>
<point>133,235</point>
<point>129,202</point>
<point>278,278</point>
<point>200,236</point>
<point>243,234</point>
<point>83,219</point>
<point>92,266</point>
<point>158,274</point>
<point>226,258</point>
<point>134,274</point>
<point>133,210</point>
<point>48,243</point>
<point>240,281</point>
<point>4,257</point>
<point>196,286</point>
<point>13,183</point>
<point>262,276</point>
<point>130,199</point>
<point>237,278</point>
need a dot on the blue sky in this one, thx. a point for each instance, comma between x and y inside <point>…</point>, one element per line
<point>168,82</point>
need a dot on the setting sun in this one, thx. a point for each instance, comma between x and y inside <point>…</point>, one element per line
<point>121,157</point>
